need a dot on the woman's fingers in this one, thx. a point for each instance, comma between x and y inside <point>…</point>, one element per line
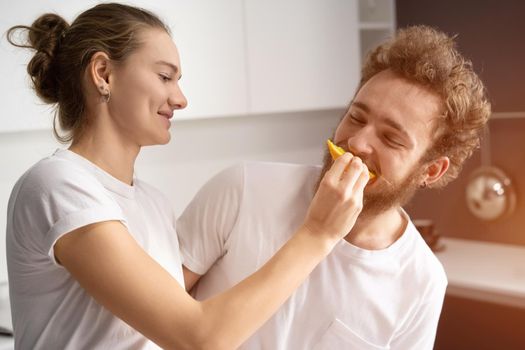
<point>338,168</point>
<point>339,199</point>
<point>351,172</point>
<point>355,177</point>
<point>346,171</point>
<point>363,179</point>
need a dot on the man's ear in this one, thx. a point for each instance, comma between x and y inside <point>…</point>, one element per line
<point>435,170</point>
<point>99,70</point>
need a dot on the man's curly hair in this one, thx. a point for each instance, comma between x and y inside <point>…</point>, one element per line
<point>429,57</point>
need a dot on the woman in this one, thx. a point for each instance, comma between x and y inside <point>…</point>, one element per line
<point>92,253</point>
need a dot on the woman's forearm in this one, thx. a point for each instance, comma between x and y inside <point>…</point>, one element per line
<point>231,317</point>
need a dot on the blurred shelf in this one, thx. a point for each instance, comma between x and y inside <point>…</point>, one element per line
<point>377,22</point>
<point>507,115</point>
<point>376,26</point>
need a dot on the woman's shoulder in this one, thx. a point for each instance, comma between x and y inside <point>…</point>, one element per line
<point>52,172</point>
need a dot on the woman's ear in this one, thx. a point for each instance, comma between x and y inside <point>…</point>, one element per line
<point>99,70</point>
<point>435,170</point>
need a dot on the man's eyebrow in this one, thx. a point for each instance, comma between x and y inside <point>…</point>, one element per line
<point>361,105</point>
<point>171,65</point>
<point>397,126</point>
<point>390,122</point>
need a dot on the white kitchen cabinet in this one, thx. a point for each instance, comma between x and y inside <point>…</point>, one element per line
<point>301,54</point>
<point>21,109</point>
<point>209,35</point>
<point>238,57</point>
<point>210,38</point>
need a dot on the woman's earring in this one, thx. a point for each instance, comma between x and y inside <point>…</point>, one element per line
<point>106,96</point>
<point>423,185</point>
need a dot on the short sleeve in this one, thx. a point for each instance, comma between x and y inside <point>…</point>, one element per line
<point>206,224</point>
<point>55,198</point>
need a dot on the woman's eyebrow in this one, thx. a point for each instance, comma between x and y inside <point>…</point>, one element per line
<point>171,65</point>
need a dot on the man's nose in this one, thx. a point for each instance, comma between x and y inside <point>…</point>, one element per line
<point>360,143</point>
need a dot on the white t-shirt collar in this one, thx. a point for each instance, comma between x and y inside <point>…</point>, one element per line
<point>111,183</point>
<point>355,252</point>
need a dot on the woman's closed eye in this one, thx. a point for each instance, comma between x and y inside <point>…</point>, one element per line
<point>165,77</point>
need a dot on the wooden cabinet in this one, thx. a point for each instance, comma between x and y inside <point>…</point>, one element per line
<point>471,324</point>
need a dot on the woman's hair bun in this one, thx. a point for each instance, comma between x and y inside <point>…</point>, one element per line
<point>44,36</point>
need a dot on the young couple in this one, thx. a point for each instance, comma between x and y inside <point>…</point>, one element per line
<point>279,256</point>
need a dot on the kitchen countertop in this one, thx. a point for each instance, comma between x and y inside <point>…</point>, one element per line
<point>484,271</point>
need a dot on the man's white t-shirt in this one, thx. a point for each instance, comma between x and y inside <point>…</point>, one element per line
<point>59,194</point>
<point>354,299</point>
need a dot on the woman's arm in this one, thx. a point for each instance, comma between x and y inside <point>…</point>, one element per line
<point>120,275</point>
<point>190,278</point>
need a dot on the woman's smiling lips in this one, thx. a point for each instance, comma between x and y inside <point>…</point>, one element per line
<point>166,115</point>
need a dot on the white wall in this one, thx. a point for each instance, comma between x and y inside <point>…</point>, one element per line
<point>199,148</point>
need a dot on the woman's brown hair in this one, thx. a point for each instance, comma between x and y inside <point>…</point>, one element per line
<point>64,51</point>
<point>428,57</point>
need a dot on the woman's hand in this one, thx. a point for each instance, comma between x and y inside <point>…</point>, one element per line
<point>339,199</point>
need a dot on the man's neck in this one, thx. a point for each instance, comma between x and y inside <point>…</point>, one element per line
<point>378,231</point>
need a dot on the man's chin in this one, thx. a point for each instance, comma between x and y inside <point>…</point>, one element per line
<point>373,206</point>
<point>378,199</point>
<point>381,195</point>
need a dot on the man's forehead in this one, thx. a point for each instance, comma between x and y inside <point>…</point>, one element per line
<point>398,102</point>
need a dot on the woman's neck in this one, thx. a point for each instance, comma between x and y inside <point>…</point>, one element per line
<point>109,152</point>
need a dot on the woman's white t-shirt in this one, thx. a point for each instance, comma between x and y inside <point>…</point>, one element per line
<point>57,195</point>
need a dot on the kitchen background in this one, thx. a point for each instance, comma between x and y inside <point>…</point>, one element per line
<point>484,259</point>
<point>269,80</point>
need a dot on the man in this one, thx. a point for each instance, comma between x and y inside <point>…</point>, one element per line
<point>417,115</point>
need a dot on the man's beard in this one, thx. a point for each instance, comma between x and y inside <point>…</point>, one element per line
<point>384,194</point>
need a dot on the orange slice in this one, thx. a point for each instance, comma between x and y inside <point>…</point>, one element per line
<point>336,152</point>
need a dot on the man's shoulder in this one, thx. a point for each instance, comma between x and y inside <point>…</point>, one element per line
<point>279,171</point>
<point>420,262</point>
<point>280,165</point>
<point>427,265</point>
<point>261,174</point>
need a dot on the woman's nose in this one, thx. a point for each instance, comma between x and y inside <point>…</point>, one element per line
<point>177,100</point>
